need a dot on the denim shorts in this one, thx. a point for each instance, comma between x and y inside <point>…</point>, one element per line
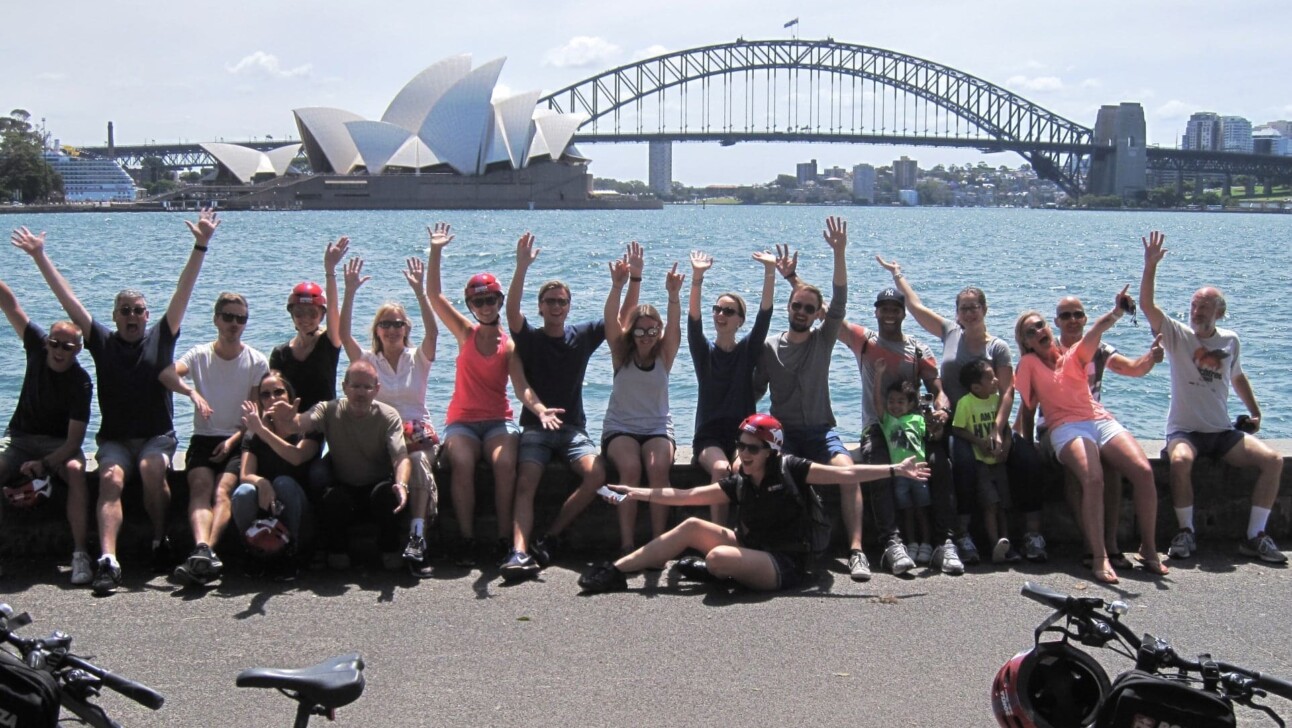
<point>818,444</point>
<point>126,454</point>
<point>482,431</point>
<point>910,493</point>
<point>538,445</point>
<point>1100,432</point>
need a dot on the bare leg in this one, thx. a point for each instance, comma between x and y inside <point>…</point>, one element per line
<point>693,533</point>
<point>502,452</point>
<point>593,475</point>
<point>152,472</point>
<point>527,479</point>
<point>463,454</point>
<point>626,453</point>
<point>110,487</point>
<point>1252,453</point>
<point>850,505</point>
<point>658,455</point>
<point>1125,455</point>
<point>222,510</point>
<point>78,502</point>
<point>1181,455</point>
<point>201,486</point>
<point>1081,456</point>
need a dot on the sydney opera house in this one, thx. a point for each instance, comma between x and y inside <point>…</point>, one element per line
<point>443,142</point>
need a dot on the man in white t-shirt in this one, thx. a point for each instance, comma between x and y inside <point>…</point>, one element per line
<point>224,374</point>
<point>1204,364</point>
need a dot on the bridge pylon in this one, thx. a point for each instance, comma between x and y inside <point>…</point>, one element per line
<point>1120,163</point>
<point>661,168</point>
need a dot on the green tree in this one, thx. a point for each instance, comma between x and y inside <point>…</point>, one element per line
<point>24,173</point>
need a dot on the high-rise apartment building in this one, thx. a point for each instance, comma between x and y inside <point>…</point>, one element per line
<point>805,172</point>
<point>1202,132</point>
<point>1235,134</point>
<point>905,172</point>
<point>863,183</point>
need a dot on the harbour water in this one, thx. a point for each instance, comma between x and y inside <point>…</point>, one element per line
<point>1022,258</point>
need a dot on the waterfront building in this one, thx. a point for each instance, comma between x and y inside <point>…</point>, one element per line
<point>905,173</point>
<point>805,172</point>
<point>1235,134</point>
<point>1283,127</point>
<point>1270,141</point>
<point>1202,131</point>
<point>91,179</point>
<point>863,183</point>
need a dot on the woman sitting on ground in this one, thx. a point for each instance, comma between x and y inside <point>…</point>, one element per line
<point>1082,431</point>
<point>771,547</point>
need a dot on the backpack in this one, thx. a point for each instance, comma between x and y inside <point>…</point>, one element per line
<point>814,522</point>
<point>1141,698</point>
<point>29,698</point>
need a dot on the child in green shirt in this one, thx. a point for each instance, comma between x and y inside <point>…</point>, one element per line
<point>975,414</point>
<point>904,432</point>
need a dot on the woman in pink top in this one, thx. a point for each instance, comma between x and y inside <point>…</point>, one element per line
<point>1082,431</point>
<point>479,420</point>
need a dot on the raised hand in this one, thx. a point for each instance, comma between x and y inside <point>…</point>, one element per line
<point>1123,302</point>
<point>204,228</point>
<point>354,277</point>
<point>787,260</point>
<point>251,421</point>
<point>836,233</point>
<point>700,262</point>
<point>636,257</point>
<point>673,281</point>
<point>441,234</point>
<point>1153,247</point>
<point>526,253</point>
<point>767,258</point>
<point>891,266</point>
<point>335,253</point>
<point>415,274</point>
<point>27,241</point>
<point>619,271</point>
<point>1156,350</point>
<point>283,414</point>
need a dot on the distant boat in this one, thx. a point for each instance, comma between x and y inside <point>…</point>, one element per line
<point>92,179</point>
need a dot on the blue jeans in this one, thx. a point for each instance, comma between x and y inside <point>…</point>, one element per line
<point>246,506</point>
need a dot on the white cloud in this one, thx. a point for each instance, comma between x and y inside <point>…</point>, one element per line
<point>1038,83</point>
<point>581,50</point>
<point>1174,109</point>
<point>650,52</point>
<point>1092,83</point>
<point>501,91</point>
<point>266,64</point>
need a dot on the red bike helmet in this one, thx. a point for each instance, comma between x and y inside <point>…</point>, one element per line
<point>309,293</point>
<point>29,493</point>
<point>267,536</point>
<point>765,428</point>
<point>1049,686</point>
<point>482,283</point>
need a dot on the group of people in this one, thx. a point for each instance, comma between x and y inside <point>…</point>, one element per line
<point>278,453</point>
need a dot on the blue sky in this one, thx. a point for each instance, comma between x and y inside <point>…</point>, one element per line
<point>236,69</point>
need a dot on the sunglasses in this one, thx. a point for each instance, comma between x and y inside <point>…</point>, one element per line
<point>277,392</point>
<point>642,333</point>
<point>64,345</point>
<point>807,308</point>
<point>753,448</point>
<point>132,310</point>
<point>232,318</point>
<point>396,324</point>
<point>1030,331</point>
<point>482,301</point>
<point>1069,315</point>
<point>969,307</point>
<point>557,302</point>
<point>725,311</point>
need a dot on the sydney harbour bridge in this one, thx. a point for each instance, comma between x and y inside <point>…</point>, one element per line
<point>829,91</point>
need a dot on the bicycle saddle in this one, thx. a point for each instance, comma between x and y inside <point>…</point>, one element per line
<point>330,684</point>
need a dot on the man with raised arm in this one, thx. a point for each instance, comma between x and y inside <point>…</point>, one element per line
<point>136,432</point>
<point>795,367</point>
<point>1204,364</point>
<point>45,434</point>
<point>555,359</point>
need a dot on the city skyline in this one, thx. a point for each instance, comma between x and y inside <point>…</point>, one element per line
<point>170,73</point>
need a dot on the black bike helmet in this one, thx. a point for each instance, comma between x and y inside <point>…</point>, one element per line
<point>1052,685</point>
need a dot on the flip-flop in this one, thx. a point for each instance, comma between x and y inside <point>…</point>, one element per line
<point>1153,566</point>
<point>1119,560</point>
<point>1105,576</point>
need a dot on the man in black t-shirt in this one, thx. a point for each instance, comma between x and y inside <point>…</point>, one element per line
<point>45,434</point>
<point>136,432</point>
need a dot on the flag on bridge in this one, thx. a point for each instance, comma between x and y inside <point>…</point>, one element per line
<point>792,23</point>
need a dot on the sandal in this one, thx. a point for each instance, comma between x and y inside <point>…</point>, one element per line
<point>1154,565</point>
<point>1105,575</point>
<point>1119,560</point>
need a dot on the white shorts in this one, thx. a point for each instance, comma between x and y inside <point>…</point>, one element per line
<point>1100,432</point>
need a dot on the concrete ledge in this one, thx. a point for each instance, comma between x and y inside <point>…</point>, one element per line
<point>1222,495</point>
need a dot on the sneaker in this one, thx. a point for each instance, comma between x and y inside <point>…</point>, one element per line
<point>859,566</point>
<point>544,549</point>
<point>1012,556</point>
<point>922,553</point>
<point>518,566</point>
<point>603,578</point>
<point>107,578</point>
<point>415,551</point>
<point>1263,548</point>
<point>694,568</point>
<point>163,557</point>
<point>82,568</point>
<point>947,559</point>
<point>339,561</point>
<point>185,576</point>
<point>202,564</point>
<point>968,552</point>
<point>999,551</point>
<point>895,558</point>
<point>1183,545</point>
<point>1034,547</point>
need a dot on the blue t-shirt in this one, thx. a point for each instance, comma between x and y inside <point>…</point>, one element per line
<point>49,399</point>
<point>555,367</point>
<point>132,403</point>
<point>725,378</point>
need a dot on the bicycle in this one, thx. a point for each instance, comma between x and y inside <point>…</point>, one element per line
<point>1056,684</point>
<point>318,689</point>
<point>77,681</point>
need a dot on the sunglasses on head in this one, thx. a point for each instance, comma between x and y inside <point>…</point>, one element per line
<point>276,392</point>
<point>753,448</point>
<point>1069,315</point>
<point>725,310</point>
<point>558,302</point>
<point>651,332</point>
<point>53,343</point>
<point>396,324</point>
<point>482,301</point>
<point>232,318</point>
<point>807,308</point>
<point>132,310</point>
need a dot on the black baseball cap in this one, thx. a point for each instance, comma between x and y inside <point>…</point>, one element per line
<point>890,294</point>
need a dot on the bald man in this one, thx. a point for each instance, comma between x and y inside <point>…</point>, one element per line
<point>1204,364</point>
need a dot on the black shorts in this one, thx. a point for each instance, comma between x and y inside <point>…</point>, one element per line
<point>791,569</point>
<point>199,452</point>
<point>641,439</point>
<point>1206,444</point>
<point>699,445</point>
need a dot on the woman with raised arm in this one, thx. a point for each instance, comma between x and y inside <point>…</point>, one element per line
<point>402,373</point>
<point>724,369</point>
<point>309,358</point>
<point>638,428</point>
<point>964,340</point>
<point>1082,431</point>
<point>772,545</point>
<point>479,420</point>
<point>275,464</point>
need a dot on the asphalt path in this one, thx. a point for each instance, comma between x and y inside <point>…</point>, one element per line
<point>463,649</point>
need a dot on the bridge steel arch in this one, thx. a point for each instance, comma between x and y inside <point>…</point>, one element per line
<point>1052,144</point>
